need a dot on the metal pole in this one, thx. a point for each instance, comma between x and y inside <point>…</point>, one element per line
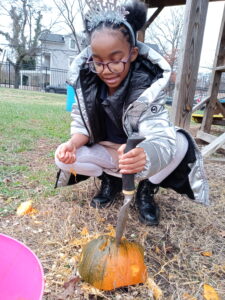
<point>9,75</point>
<point>46,75</point>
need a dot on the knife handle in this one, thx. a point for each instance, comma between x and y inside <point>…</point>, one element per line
<point>128,179</point>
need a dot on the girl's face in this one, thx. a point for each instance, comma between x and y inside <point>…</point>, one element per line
<point>109,46</point>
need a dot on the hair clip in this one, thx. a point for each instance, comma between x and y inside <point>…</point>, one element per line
<point>102,4</point>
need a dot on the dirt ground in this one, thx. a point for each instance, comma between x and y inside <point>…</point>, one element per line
<point>174,250</point>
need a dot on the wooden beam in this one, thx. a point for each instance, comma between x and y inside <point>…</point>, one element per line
<point>205,100</point>
<point>215,79</point>
<point>208,138</point>
<point>218,122</point>
<point>153,16</point>
<point>141,33</point>
<point>221,108</point>
<point>158,3</point>
<point>212,147</point>
<point>215,160</point>
<point>220,68</point>
<point>200,104</point>
<point>194,25</point>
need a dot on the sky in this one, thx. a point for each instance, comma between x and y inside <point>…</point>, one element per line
<point>212,28</point>
<point>213,21</point>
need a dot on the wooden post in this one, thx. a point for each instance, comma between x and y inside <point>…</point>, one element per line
<point>218,68</point>
<point>194,25</point>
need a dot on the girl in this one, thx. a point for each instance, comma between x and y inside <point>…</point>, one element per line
<point>120,92</point>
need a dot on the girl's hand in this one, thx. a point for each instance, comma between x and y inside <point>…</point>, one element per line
<point>131,162</point>
<point>67,153</point>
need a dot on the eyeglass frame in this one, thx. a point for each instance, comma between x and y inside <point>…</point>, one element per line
<point>106,64</point>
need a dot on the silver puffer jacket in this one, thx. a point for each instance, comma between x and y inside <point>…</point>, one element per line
<point>145,116</point>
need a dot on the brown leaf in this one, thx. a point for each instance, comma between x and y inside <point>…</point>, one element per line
<point>72,281</point>
<point>69,288</point>
<point>6,180</point>
<point>206,253</point>
<point>210,293</point>
<point>168,249</point>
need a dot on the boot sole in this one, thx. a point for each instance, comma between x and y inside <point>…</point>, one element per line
<point>148,223</point>
<point>100,206</point>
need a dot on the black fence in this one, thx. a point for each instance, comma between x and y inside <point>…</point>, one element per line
<point>202,86</point>
<point>32,79</point>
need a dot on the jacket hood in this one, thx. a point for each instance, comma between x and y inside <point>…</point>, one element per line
<point>150,93</point>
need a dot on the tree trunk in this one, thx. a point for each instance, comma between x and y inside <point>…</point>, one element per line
<point>17,77</point>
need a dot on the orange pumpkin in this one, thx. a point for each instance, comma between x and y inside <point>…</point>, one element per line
<point>107,266</point>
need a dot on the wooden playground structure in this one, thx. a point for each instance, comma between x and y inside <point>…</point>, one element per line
<point>182,107</point>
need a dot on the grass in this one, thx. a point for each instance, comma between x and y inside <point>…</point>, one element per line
<point>32,124</point>
<point>28,120</point>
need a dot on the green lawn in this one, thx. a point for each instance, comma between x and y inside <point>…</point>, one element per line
<point>27,119</point>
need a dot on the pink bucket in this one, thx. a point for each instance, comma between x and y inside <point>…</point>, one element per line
<point>21,274</point>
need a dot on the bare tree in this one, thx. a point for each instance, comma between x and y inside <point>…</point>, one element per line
<point>71,11</point>
<point>23,32</point>
<point>166,32</point>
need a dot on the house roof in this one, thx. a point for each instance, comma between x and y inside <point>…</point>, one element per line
<point>162,3</point>
<point>51,37</point>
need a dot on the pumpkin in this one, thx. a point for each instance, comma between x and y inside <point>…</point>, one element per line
<point>107,266</point>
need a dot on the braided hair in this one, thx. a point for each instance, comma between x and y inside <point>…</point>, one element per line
<point>128,26</point>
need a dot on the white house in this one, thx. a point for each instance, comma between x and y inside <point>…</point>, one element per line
<point>57,51</point>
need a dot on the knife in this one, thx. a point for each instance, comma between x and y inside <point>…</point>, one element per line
<point>128,191</point>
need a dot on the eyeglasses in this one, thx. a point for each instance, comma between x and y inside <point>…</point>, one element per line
<point>116,66</point>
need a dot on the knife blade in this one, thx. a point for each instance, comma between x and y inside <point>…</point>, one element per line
<point>128,191</point>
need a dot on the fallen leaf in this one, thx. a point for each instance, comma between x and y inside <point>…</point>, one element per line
<point>111,230</point>
<point>157,250</point>
<point>6,180</point>
<point>73,172</point>
<point>168,250</point>
<point>210,293</point>
<point>69,288</point>
<point>206,253</point>
<point>186,296</point>
<point>100,219</point>
<point>25,208</point>
<point>157,292</point>
<point>72,282</point>
<point>84,231</point>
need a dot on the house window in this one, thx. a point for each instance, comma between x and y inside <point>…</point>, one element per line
<point>71,58</point>
<point>72,44</point>
<point>46,62</point>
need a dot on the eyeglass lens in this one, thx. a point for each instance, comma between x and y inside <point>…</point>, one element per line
<point>114,67</point>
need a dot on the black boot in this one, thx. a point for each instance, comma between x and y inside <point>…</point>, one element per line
<point>148,209</point>
<point>110,187</point>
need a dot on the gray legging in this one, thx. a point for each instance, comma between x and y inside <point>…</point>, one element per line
<point>92,161</point>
